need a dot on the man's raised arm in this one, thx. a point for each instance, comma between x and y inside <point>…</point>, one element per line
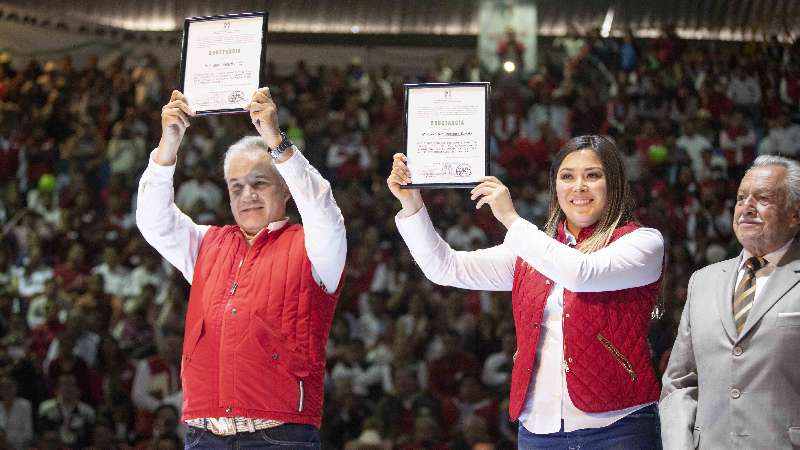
<point>171,232</point>
<point>323,224</point>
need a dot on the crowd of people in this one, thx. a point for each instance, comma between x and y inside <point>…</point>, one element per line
<point>91,318</point>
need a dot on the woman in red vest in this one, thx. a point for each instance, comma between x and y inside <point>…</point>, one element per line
<point>583,289</point>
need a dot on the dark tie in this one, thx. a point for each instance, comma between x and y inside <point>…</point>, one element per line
<point>746,291</point>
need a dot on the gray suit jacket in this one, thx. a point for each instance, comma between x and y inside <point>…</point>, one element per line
<point>723,391</point>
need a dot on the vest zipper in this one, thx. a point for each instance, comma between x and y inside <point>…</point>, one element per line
<point>550,286</point>
<point>564,339</point>
<point>235,284</point>
<point>564,316</point>
<point>621,359</point>
<point>300,403</point>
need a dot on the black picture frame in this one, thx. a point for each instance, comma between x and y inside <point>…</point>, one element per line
<point>410,86</point>
<point>262,72</point>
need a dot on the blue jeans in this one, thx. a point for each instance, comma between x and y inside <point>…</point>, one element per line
<point>639,430</point>
<point>285,437</point>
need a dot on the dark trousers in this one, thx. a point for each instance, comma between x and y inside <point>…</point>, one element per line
<point>639,430</point>
<point>285,437</point>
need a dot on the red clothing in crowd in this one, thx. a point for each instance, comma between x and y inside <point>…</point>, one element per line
<point>69,278</point>
<point>793,87</point>
<point>9,160</point>
<point>524,157</point>
<point>42,336</point>
<point>447,371</point>
<point>716,104</point>
<point>738,145</point>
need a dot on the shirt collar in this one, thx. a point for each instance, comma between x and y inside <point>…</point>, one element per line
<point>273,226</point>
<point>569,239</point>
<point>563,232</point>
<point>771,258</point>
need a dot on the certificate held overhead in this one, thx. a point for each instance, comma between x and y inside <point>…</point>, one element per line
<point>223,61</point>
<point>446,134</point>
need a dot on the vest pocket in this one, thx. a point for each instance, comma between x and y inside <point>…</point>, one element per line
<point>621,359</point>
<point>272,347</point>
<point>788,319</point>
<point>271,375</point>
<point>191,340</point>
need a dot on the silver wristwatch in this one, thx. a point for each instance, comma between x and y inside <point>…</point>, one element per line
<point>278,151</point>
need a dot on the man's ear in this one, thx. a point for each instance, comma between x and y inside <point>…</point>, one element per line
<point>795,218</point>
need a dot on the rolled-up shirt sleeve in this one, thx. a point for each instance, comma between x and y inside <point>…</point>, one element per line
<point>490,269</point>
<point>323,224</point>
<point>171,232</point>
<point>633,260</point>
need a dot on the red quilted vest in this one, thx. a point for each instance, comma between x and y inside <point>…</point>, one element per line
<point>256,329</point>
<point>605,339</point>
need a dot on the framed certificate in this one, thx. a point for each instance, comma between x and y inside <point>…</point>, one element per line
<point>223,61</point>
<point>446,135</point>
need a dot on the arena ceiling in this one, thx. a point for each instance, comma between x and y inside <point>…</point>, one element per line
<point>693,19</point>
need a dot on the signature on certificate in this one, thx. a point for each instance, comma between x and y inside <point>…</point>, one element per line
<point>452,169</point>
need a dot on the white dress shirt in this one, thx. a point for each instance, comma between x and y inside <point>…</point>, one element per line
<point>143,385</point>
<point>17,423</point>
<point>193,191</point>
<point>85,348</point>
<point>177,238</point>
<point>494,369</point>
<point>116,281</point>
<point>633,260</point>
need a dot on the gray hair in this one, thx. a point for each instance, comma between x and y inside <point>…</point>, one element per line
<point>251,145</point>
<point>791,180</point>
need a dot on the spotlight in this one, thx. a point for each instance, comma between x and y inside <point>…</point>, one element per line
<point>355,29</point>
<point>509,66</point>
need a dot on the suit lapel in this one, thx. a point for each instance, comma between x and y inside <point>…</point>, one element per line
<point>784,278</point>
<point>727,281</point>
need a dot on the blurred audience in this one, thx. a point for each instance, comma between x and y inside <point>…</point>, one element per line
<point>91,319</point>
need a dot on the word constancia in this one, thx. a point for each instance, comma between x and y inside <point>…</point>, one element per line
<point>439,123</point>
<point>225,51</point>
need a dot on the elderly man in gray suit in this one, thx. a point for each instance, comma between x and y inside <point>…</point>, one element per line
<point>733,379</point>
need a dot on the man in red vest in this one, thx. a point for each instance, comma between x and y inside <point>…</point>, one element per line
<point>263,290</point>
